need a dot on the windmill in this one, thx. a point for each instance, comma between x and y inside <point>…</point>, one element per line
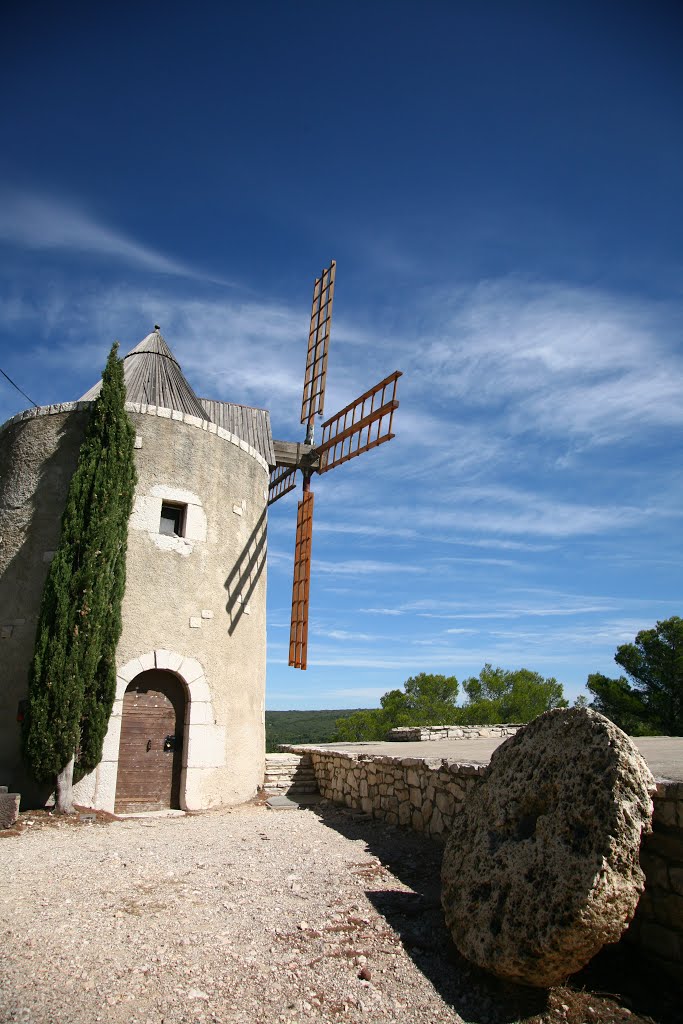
<point>363,424</point>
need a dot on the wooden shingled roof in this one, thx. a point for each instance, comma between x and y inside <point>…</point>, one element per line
<point>252,425</point>
<point>152,376</point>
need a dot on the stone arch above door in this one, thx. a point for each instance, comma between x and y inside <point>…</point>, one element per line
<point>205,740</point>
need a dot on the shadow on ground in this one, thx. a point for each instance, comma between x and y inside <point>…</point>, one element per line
<point>614,987</point>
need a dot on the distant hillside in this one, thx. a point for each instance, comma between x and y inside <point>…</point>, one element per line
<point>301,726</point>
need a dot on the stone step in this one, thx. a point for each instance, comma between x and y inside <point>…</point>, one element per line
<point>290,773</point>
<point>306,774</point>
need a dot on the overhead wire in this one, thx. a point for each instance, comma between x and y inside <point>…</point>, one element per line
<point>7,377</point>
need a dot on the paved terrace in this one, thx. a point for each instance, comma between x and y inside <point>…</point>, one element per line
<point>664,754</point>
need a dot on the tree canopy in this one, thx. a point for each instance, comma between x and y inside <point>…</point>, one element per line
<point>652,702</point>
<point>424,700</point>
<point>500,695</point>
<point>495,695</point>
<point>72,680</point>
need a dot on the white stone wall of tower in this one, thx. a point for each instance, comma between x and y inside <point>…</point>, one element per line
<point>195,606</point>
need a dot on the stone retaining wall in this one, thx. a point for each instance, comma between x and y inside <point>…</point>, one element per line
<point>426,793</point>
<point>417,733</point>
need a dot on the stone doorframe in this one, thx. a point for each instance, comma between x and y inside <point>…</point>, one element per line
<point>203,742</point>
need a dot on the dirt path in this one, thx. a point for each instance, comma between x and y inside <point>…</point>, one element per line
<point>240,916</point>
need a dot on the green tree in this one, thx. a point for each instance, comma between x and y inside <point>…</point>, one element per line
<point>500,695</point>
<point>615,699</point>
<point>653,701</point>
<point>424,700</point>
<point>72,680</point>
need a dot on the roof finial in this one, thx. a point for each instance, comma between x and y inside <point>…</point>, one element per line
<point>156,327</point>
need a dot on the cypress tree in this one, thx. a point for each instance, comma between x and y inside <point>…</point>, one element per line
<point>72,680</point>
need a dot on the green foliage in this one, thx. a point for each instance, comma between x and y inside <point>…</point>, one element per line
<point>653,702</point>
<point>301,727</point>
<point>500,695</point>
<point>615,699</point>
<point>495,695</point>
<point>72,681</point>
<point>424,700</point>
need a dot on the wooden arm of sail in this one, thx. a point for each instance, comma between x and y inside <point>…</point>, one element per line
<point>282,481</point>
<point>360,426</point>
<point>313,399</point>
<point>298,635</point>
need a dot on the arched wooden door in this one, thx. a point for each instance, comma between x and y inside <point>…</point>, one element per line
<point>150,751</point>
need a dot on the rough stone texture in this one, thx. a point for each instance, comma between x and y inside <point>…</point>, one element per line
<point>425,794</point>
<point>541,869</point>
<point>427,786</point>
<point>657,928</point>
<point>425,733</point>
<point>9,808</point>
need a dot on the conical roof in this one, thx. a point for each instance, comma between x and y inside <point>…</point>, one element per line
<point>152,376</point>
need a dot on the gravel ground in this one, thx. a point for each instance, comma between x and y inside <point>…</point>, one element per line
<point>243,915</point>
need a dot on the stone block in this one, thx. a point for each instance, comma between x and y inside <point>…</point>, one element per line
<point>206,747</point>
<point>130,671</point>
<point>661,942</point>
<point>668,909</point>
<point>436,825</point>
<point>665,813</point>
<point>666,845</point>
<point>676,879</point>
<point>405,813</point>
<point>444,803</point>
<point>190,670</point>
<point>107,772</point>
<point>147,661</point>
<point>110,746</point>
<point>174,661</point>
<point>9,809</point>
<point>201,713</point>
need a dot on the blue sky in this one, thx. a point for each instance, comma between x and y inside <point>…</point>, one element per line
<point>501,187</point>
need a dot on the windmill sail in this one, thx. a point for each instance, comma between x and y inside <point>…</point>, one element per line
<point>313,399</point>
<point>360,426</point>
<point>282,481</point>
<point>364,424</point>
<point>298,636</point>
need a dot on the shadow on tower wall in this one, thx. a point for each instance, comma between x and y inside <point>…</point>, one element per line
<point>246,573</point>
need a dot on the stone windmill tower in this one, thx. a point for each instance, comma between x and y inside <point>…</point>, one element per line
<point>187,727</point>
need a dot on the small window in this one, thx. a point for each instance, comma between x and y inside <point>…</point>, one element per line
<point>172,520</point>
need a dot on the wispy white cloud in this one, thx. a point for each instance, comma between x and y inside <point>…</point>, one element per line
<point>365,567</point>
<point>564,360</point>
<point>37,222</point>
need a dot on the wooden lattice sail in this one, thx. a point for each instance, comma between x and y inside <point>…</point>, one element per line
<point>363,424</point>
<point>298,634</point>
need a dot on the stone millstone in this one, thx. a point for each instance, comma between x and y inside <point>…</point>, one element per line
<point>541,868</point>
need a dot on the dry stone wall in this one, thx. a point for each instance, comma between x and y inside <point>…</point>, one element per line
<point>424,733</point>
<point>658,925</point>
<point>426,793</point>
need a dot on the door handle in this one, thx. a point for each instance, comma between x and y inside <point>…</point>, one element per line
<point>149,744</point>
